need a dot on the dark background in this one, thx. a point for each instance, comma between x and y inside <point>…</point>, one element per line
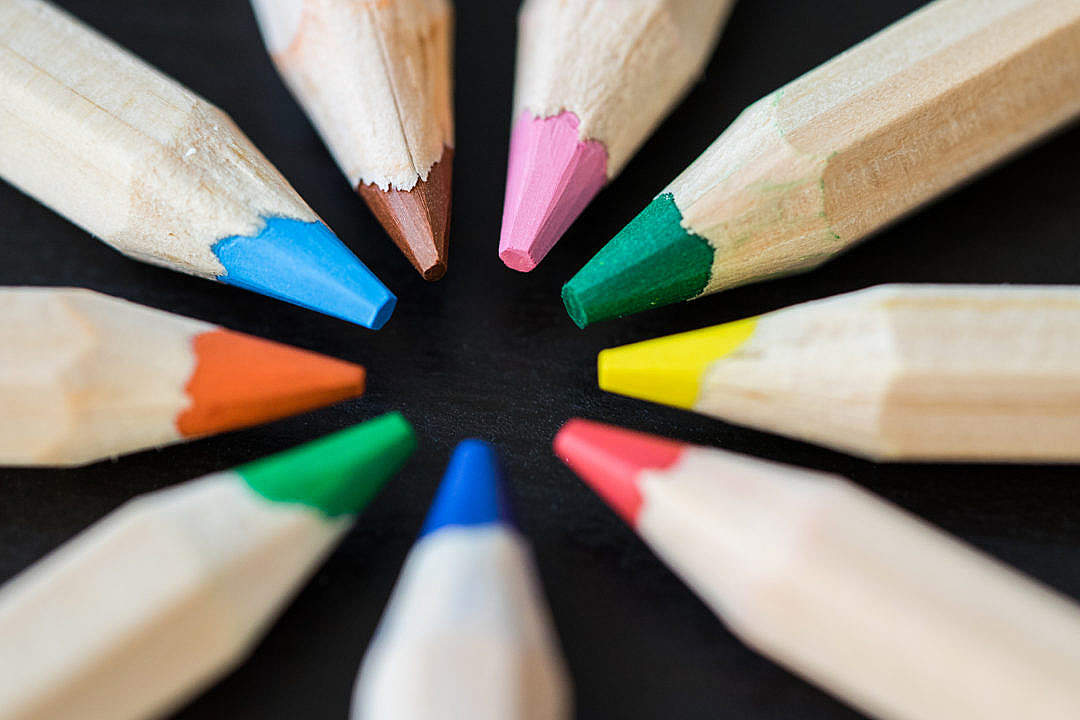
<point>489,352</point>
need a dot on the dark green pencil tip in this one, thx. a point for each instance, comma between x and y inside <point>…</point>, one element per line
<point>653,261</point>
<point>337,474</point>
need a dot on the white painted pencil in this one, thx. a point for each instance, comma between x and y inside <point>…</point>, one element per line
<point>466,633</point>
<point>138,160</point>
<point>168,593</point>
<point>872,604</point>
<point>594,79</point>
<point>85,376</point>
<point>374,76</point>
<point>895,372</point>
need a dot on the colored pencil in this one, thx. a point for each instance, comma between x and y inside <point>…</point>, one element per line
<point>846,149</point>
<point>594,79</point>
<point>466,633</point>
<point>375,79</point>
<point>874,605</point>
<point>896,372</point>
<point>152,604</point>
<point>158,173</point>
<point>85,376</point>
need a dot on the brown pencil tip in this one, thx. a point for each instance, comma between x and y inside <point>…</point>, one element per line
<point>418,220</point>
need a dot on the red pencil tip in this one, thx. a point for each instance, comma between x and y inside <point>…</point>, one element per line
<point>610,459</point>
<point>418,220</point>
<point>552,176</point>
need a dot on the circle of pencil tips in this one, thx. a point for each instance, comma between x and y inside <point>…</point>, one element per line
<point>877,607</point>
<point>829,159</point>
<point>594,79</point>
<point>894,372</point>
<point>374,77</point>
<point>152,604</point>
<point>158,173</point>
<point>85,376</point>
<point>466,633</point>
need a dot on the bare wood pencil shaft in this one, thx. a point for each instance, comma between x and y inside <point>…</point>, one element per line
<point>879,130</point>
<point>869,602</point>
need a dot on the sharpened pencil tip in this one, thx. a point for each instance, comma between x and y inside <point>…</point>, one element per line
<point>418,220</point>
<point>304,263</point>
<point>240,380</point>
<point>653,261</point>
<point>551,178</point>
<point>609,459</point>
<point>472,490</point>
<point>338,474</point>
<point>669,370</point>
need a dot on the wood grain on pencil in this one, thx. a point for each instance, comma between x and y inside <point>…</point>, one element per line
<point>84,377</point>
<point>877,607</point>
<point>374,76</point>
<point>896,372</point>
<point>851,146</point>
<point>172,590</point>
<point>143,163</point>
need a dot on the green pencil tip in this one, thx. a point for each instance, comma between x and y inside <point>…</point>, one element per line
<point>337,474</point>
<point>653,261</point>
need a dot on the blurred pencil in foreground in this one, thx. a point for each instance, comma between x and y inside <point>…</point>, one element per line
<point>895,372</point>
<point>375,79</point>
<point>594,79</point>
<point>466,633</point>
<point>877,607</point>
<point>848,148</point>
<point>138,160</point>
<point>85,376</point>
<point>147,607</point>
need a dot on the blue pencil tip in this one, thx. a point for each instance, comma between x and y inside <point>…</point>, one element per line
<point>305,264</point>
<point>471,492</point>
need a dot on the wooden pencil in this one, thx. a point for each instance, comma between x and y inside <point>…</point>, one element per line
<point>874,605</point>
<point>466,633</point>
<point>85,376</point>
<point>594,79</point>
<point>374,76</point>
<point>155,171</point>
<point>846,149</point>
<point>152,604</point>
<point>896,372</point>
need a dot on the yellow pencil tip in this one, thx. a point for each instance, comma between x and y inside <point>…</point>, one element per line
<point>669,370</point>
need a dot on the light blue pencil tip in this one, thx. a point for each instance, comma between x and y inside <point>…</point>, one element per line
<point>471,492</point>
<point>305,264</point>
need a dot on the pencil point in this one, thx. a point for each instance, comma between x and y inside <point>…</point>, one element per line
<point>304,263</point>
<point>610,459</point>
<point>668,370</point>
<point>337,474</point>
<point>418,220</point>
<point>471,492</point>
<point>653,261</point>
<point>551,178</point>
<point>240,380</point>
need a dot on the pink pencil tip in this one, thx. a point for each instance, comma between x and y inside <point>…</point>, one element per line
<point>610,459</point>
<point>552,177</point>
<point>519,260</point>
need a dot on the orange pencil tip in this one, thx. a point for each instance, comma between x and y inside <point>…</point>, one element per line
<point>240,380</point>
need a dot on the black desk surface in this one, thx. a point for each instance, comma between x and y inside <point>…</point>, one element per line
<point>489,352</point>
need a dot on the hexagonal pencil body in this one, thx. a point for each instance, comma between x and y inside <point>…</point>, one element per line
<point>466,633</point>
<point>896,372</point>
